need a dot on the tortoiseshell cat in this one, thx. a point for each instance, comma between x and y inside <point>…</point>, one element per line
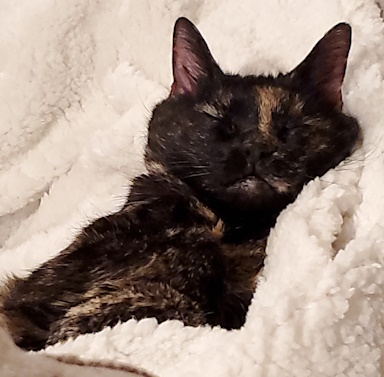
<point>225,155</point>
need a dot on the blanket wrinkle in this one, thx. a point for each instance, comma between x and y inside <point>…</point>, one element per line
<point>78,80</point>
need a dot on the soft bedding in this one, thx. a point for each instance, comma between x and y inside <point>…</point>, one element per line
<point>78,80</point>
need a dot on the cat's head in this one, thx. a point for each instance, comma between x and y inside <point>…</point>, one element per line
<point>250,143</point>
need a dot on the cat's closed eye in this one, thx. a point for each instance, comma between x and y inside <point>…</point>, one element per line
<point>284,125</point>
<point>226,128</point>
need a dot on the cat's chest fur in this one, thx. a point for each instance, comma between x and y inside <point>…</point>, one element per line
<point>177,224</point>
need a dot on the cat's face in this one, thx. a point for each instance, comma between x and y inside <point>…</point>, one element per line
<point>251,143</point>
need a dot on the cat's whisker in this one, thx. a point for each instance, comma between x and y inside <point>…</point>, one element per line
<point>361,159</point>
<point>179,163</point>
<point>196,175</point>
<point>334,183</point>
<point>199,167</point>
<point>372,153</point>
<point>148,111</point>
<point>188,164</point>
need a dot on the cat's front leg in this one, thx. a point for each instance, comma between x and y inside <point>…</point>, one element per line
<point>138,299</point>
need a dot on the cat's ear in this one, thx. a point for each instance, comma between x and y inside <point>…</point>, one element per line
<point>192,61</point>
<point>323,69</point>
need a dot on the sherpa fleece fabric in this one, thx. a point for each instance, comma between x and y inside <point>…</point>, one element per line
<point>78,79</point>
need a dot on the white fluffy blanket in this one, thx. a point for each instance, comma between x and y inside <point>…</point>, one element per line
<point>78,79</point>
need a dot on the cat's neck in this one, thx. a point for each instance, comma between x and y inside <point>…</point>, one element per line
<point>242,225</point>
<point>158,188</point>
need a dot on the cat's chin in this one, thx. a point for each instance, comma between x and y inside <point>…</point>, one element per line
<point>249,185</point>
<point>249,195</point>
<point>254,191</point>
<point>250,188</point>
<point>254,185</point>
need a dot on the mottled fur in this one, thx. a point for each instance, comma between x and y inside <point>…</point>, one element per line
<point>225,155</point>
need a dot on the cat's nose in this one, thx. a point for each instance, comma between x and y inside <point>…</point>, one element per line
<point>254,152</point>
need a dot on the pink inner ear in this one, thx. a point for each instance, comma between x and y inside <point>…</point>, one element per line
<point>191,58</point>
<point>324,68</point>
<point>186,69</point>
<point>329,73</point>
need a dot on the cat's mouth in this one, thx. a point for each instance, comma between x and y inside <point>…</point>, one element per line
<point>254,184</point>
<point>250,185</point>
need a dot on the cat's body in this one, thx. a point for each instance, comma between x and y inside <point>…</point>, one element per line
<point>174,266</point>
<point>225,155</point>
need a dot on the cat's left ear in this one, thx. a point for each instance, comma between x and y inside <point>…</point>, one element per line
<point>192,60</point>
<point>323,69</point>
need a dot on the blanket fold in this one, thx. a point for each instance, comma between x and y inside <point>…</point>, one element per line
<point>78,80</point>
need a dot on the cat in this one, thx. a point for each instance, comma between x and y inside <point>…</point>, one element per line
<point>225,155</point>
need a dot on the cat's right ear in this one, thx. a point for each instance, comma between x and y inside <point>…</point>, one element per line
<point>323,69</point>
<point>192,61</point>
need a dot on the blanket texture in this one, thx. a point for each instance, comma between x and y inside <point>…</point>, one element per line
<point>78,79</point>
